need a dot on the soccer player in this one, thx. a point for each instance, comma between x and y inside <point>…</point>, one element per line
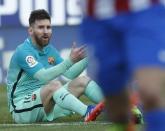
<point>129,43</point>
<point>35,93</point>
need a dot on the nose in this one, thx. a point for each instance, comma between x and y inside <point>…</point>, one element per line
<point>46,30</point>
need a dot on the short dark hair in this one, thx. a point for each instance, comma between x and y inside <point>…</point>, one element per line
<point>38,15</point>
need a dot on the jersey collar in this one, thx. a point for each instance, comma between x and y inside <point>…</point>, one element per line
<point>41,52</point>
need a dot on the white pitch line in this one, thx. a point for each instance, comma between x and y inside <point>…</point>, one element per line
<point>57,124</point>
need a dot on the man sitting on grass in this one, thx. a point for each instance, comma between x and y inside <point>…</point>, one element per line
<point>35,93</point>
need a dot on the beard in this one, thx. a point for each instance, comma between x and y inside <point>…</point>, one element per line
<point>42,41</point>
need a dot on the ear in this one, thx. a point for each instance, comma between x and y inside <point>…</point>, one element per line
<point>30,30</point>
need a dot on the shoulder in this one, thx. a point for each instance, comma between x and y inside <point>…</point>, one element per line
<point>52,48</point>
<point>24,52</point>
<point>24,48</point>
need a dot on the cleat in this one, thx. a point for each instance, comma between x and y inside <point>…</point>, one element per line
<point>93,112</point>
<point>137,116</point>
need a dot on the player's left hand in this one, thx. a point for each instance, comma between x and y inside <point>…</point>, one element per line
<point>77,53</point>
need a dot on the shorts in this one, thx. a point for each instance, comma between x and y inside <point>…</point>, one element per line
<point>125,43</point>
<point>30,109</point>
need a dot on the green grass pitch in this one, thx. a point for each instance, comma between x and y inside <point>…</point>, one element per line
<point>72,123</point>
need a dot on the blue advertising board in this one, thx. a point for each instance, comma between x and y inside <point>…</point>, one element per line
<point>14,14</point>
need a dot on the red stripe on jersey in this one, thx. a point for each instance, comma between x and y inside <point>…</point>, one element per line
<point>122,5</point>
<point>91,7</point>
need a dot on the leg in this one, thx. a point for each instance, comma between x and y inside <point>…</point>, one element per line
<point>54,93</point>
<point>148,64</point>
<point>84,85</point>
<point>77,86</point>
<point>152,89</point>
<point>47,95</point>
<point>114,105</point>
<point>112,72</point>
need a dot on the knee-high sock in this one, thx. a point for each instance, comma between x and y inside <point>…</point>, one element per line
<point>68,101</point>
<point>93,92</point>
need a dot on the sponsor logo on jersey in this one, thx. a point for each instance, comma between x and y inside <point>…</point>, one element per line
<point>51,60</point>
<point>31,61</point>
<point>34,96</point>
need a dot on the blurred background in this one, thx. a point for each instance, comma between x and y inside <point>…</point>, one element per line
<point>66,17</point>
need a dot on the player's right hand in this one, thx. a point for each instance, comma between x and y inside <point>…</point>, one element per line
<point>77,53</point>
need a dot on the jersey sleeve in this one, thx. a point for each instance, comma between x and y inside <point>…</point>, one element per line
<point>28,62</point>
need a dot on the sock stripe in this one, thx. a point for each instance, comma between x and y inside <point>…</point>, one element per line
<point>63,97</point>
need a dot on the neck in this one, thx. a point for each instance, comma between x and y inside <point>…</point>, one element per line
<point>35,44</point>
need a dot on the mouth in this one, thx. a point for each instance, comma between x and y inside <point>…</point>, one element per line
<point>45,38</point>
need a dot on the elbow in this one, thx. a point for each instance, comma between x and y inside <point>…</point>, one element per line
<point>42,76</point>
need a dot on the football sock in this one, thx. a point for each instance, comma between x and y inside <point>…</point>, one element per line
<point>155,120</point>
<point>93,92</point>
<point>68,101</point>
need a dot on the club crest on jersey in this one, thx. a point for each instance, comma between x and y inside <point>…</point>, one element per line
<point>51,60</point>
<point>31,61</point>
<point>34,96</point>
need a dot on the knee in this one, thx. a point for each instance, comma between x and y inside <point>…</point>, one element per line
<point>150,87</point>
<point>150,98</point>
<point>54,85</point>
<point>83,81</point>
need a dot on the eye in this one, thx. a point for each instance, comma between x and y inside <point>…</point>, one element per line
<point>49,27</point>
<point>40,27</point>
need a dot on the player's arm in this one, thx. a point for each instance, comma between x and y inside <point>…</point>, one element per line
<point>46,75</point>
<point>76,69</point>
<point>28,62</point>
<point>76,55</point>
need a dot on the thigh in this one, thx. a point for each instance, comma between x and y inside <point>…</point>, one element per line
<point>57,111</point>
<point>29,109</point>
<point>78,85</point>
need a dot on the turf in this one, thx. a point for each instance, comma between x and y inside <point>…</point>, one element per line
<point>72,123</point>
<point>5,116</point>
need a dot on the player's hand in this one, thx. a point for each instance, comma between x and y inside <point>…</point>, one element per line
<point>77,53</point>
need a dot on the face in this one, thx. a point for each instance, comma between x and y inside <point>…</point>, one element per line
<point>41,32</point>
